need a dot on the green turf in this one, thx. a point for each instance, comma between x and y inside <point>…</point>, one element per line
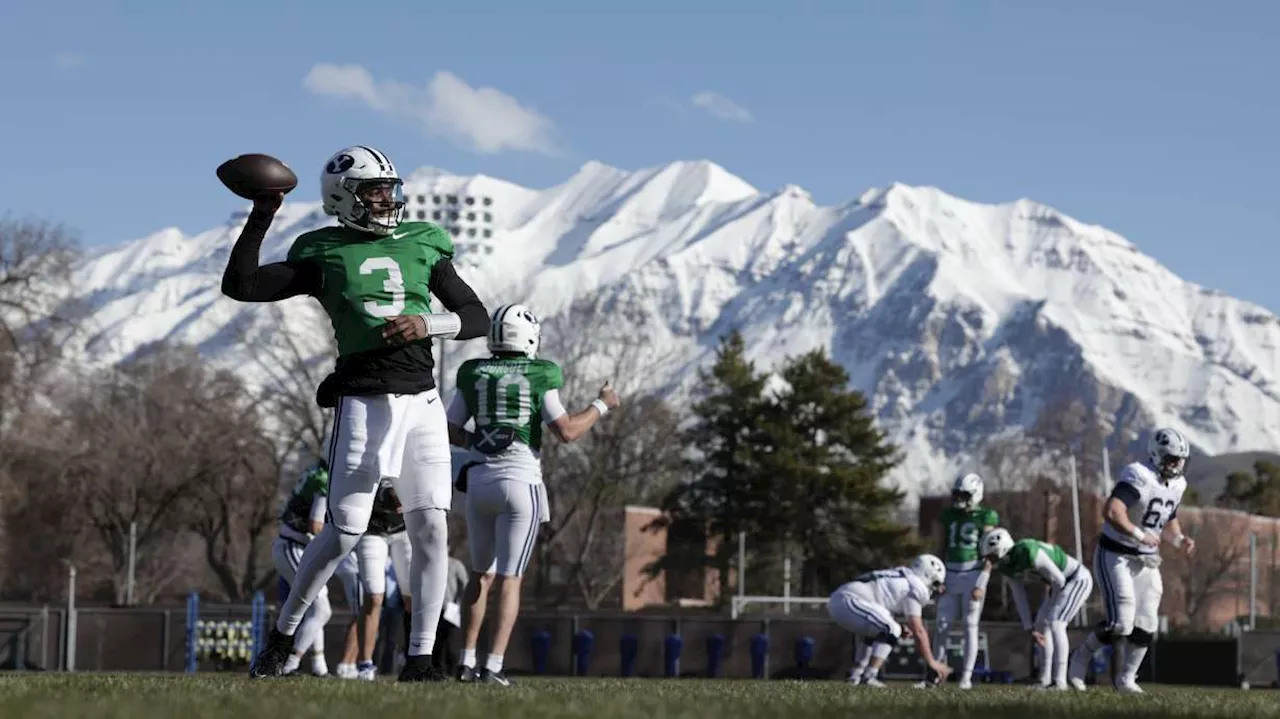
<point>104,696</point>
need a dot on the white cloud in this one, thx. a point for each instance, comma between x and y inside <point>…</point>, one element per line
<point>719,106</point>
<point>68,59</point>
<point>482,119</point>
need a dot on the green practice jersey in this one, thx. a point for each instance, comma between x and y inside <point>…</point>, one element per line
<point>962,530</point>
<point>508,392</point>
<point>1020,562</point>
<point>367,280</point>
<point>296,515</point>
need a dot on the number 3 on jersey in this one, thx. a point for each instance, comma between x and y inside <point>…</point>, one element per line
<point>394,285</point>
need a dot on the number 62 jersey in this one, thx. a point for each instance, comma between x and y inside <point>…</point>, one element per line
<point>1151,502</point>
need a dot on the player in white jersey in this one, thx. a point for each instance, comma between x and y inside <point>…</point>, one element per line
<point>1142,507</point>
<point>867,606</point>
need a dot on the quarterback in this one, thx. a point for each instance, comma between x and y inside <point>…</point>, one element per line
<point>867,607</point>
<point>510,395</point>
<point>374,275</point>
<point>1142,507</point>
<point>963,524</point>
<point>1030,560</point>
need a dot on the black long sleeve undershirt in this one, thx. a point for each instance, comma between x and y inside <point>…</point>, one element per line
<point>457,296</point>
<point>246,281</point>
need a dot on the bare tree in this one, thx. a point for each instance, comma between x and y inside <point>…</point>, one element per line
<point>1219,569</point>
<point>633,456</point>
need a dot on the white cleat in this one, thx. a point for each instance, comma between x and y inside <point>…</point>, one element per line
<point>965,684</point>
<point>873,683</point>
<point>854,679</point>
<point>1058,687</point>
<point>1129,688</point>
<point>367,674</point>
<point>1078,684</point>
<point>347,671</point>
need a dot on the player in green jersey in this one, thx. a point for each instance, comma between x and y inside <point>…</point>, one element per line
<point>962,526</point>
<point>510,396</point>
<point>1030,560</point>
<point>374,276</point>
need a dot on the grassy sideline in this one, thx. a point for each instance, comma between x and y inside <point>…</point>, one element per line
<point>107,696</point>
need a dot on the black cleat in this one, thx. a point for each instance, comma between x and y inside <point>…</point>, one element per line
<point>421,669</point>
<point>466,674</point>
<point>271,660</point>
<point>488,677</point>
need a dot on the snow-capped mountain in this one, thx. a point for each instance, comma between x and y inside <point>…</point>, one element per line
<point>959,320</point>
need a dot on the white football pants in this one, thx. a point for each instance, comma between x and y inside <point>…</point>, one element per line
<point>373,551</point>
<point>285,554</point>
<point>1131,590</point>
<point>958,599</point>
<point>503,518</point>
<point>404,437</point>
<point>1055,614</point>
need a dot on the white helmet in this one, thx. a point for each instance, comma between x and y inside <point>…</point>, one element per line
<point>514,328</point>
<point>1168,451</point>
<point>347,179</point>
<point>966,491</point>
<point>996,544</point>
<point>931,569</point>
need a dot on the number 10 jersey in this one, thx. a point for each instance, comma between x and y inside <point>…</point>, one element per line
<point>1151,504</point>
<point>511,393</point>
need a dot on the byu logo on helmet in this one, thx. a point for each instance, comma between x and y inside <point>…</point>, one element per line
<point>340,164</point>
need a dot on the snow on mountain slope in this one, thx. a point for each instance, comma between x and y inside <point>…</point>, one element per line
<point>960,320</point>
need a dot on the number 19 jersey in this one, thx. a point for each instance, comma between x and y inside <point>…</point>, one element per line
<point>962,531</point>
<point>509,392</point>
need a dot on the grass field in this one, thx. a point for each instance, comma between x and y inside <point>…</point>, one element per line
<point>106,696</point>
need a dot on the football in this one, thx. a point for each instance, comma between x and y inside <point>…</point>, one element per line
<point>251,175</point>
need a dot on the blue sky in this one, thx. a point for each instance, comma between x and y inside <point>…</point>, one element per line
<point>1160,120</point>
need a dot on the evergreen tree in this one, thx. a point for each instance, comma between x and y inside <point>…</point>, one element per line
<point>821,467</point>
<point>721,446</point>
<point>1257,492</point>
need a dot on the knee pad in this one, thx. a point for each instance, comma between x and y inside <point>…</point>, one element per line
<point>886,638</point>
<point>1141,637</point>
<point>1103,632</point>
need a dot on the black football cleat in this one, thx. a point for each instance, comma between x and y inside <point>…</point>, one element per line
<point>466,674</point>
<point>488,677</point>
<point>271,660</point>
<point>421,669</point>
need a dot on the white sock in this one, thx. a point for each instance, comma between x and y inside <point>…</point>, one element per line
<point>292,663</point>
<point>1133,655</point>
<point>1046,658</point>
<point>310,634</point>
<point>1061,652</point>
<point>469,658</point>
<point>429,571</point>
<point>970,646</point>
<point>319,561</point>
<point>493,663</point>
<point>319,666</point>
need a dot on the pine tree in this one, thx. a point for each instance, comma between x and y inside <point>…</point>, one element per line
<point>722,444</point>
<point>821,465</point>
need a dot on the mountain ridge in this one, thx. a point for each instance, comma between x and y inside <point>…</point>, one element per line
<point>960,320</point>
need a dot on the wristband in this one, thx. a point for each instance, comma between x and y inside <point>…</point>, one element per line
<point>1138,534</point>
<point>1177,541</point>
<point>600,406</point>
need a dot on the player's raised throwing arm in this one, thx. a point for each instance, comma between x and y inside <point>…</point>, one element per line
<point>244,280</point>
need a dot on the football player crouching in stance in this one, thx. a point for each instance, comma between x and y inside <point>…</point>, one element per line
<point>868,605</point>
<point>1069,585</point>
<point>511,395</point>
